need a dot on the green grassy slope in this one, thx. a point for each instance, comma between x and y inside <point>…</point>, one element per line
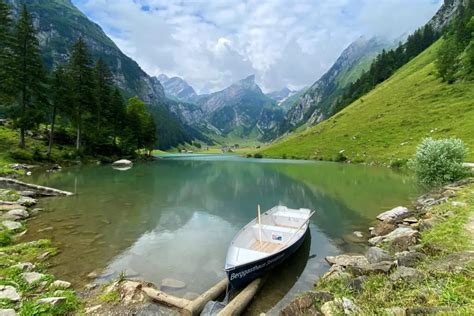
<point>389,122</point>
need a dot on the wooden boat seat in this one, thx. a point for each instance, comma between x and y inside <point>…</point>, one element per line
<point>266,246</point>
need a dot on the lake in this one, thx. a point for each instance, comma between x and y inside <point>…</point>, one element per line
<point>175,217</point>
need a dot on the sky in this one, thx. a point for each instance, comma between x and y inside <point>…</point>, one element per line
<point>213,43</point>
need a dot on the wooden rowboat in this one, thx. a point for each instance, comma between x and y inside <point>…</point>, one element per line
<point>264,243</point>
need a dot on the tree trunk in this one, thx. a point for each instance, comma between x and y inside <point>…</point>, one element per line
<point>78,136</point>
<point>51,132</point>
<point>22,138</point>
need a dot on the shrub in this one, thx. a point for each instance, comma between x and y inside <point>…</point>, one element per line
<point>398,163</point>
<point>258,155</point>
<point>437,162</point>
<point>21,154</point>
<point>340,157</point>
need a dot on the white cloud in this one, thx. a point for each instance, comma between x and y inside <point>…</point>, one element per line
<point>214,43</point>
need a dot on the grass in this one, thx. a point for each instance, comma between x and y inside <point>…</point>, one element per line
<point>453,290</point>
<point>387,124</point>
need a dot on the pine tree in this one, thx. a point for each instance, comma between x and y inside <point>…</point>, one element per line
<point>82,87</point>
<point>117,114</point>
<point>59,92</point>
<point>102,93</point>
<point>29,78</point>
<point>6,56</point>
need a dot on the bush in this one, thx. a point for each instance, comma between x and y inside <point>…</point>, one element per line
<point>258,155</point>
<point>437,162</point>
<point>21,154</point>
<point>398,163</point>
<point>340,157</point>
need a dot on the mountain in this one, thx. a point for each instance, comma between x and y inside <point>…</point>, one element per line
<point>176,87</point>
<point>241,110</point>
<point>60,24</point>
<point>284,97</point>
<point>387,123</point>
<point>316,103</point>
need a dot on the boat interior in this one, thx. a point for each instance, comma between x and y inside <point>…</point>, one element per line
<point>279,227</point>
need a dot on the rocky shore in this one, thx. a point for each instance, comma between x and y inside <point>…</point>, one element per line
<point>420,260</point>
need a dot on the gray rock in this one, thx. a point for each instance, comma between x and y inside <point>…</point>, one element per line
<point>358,234</point>
<point>24,266</point>
<point>172,284</point>
<point>394,214</point>
<point>376,254</point>
<point>11,225</point>
<point>122,163</point>
<point>304,304</point>
<point>7,312</point>
<point>8,292</point>
<point>52,300</point>
<point>383,228</point>
<point>27,201</point>
<point>399,232</point>
<point>347,260</point>
<point>18,214</point>
<point>59,284</point>
<point>407,274</point>
<point>409,258</point>
<point>350,307</point>
<point>357,284</point>
<point>32,277</point>
<point>373,268</point>
<point>426,224</point>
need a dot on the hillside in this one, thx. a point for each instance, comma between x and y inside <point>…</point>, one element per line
<point>389,122</point>
<point>59,24</point>
<point>316,103</point>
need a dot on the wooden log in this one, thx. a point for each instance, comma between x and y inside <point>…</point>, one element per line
<point>38,189</point>
<point>162,297</point>
<point>240,302</point>
<point>195,307</point>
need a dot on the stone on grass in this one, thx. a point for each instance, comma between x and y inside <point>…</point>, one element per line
<point>373,268</point>
<point>17,214</point>
<point>408,258</point>
<point>347,260</point>
<point>407,274</point>
<point>57,300</point>
<point>394,214</point>
<point>32,277</point>
<point>7,312</point>
<point>349,306</point>
<point>8,292</point>
<point>357,284</point>
<point>11,225</point>
<point>60,284</point>
<point>376,254</point>
<point>172,284</point>
<point>24,266</point>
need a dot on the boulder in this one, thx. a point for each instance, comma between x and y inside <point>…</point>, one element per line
<point>17,214</point>
<point>376,254</point>
<point>347,260</point>
<point>59,284</point>
<point>32,277</point>
<point>383,228</point>
<point>408,258</point>
<point>395,214</point>
<point>122,163</point>
<point>172,284</point>
<point>7,312</point>
<point>27,201</point>
<point>373,268</point>
<point>403,243</point>
<point>406,232</point>
<point>11,225</point>
<point>57,300</point>
<point>8,292</point>
<point>406,274</point>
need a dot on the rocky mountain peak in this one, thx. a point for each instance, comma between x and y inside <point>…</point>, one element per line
<point>445,14</point>
<point>247,83</point>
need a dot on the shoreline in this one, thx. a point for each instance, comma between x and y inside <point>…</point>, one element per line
<point>413,256</point>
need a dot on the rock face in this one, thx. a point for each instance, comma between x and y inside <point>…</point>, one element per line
<point>395,214</point>
<point>177,87</point>
<point>317,103</point>
<point>8,292</point>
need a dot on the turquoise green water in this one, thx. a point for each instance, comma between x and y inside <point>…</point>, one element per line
<point>174,217</point>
